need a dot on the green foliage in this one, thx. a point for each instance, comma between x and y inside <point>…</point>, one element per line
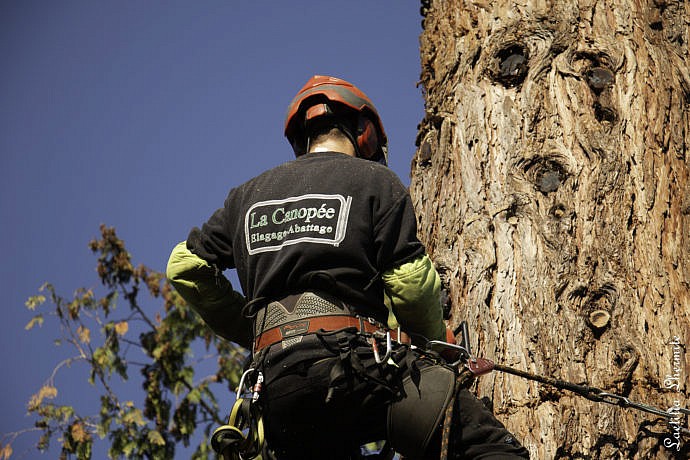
<point>174,406</point>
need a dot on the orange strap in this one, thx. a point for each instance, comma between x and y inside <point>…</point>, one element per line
<point>320,323</point>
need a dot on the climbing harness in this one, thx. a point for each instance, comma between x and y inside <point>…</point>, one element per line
<point>287,322</point>
<point>327,323</point>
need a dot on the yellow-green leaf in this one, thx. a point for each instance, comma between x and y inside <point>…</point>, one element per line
<point>36,320</point>
<point>34,301</point>
<point>134,416</point>
<point>155,438</point>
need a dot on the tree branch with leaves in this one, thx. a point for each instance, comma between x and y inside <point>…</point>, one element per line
<point>100,331</point>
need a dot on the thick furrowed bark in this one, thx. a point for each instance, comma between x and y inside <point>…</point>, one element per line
<point>552,184</point>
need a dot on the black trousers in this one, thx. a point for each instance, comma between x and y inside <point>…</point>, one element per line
<point>326,397</point>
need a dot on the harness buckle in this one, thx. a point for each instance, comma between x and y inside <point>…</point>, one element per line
<point>371,320</point>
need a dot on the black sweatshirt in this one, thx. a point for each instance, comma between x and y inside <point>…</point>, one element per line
<point>325,221</point>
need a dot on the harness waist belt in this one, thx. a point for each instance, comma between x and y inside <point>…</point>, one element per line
<point>322,323</point>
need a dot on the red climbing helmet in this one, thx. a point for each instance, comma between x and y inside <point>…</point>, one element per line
<point>331,96</point>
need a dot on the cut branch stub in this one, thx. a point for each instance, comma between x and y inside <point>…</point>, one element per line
<point>549,181</point>
<point>599,319</point>
<point>601,303</point>
<point>558,211</point>
<point>599,78</point>
<point>547,174</point>
<point>512,66</point>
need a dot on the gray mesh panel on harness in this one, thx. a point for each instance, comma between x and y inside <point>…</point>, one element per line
<point>296,307</point>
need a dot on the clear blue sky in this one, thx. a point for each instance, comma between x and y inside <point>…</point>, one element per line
<point>141,115</point>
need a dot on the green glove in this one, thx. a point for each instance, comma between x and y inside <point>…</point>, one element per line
<point>210,294</point>
<point>413,294</point>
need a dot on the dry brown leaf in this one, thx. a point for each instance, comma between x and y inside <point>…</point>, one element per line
<point>84,334</point>
<point>5,452</point>
<point>121,328</point>
<point>46,391</point>
<point>78,432</point>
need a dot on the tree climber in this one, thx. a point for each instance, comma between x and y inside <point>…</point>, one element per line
<point>326,251</point>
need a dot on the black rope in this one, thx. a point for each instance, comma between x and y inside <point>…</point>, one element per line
<point>596,394</point>
<point>592,393</point>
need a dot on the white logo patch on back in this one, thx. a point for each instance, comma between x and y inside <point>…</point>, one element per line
<point>313,218</point>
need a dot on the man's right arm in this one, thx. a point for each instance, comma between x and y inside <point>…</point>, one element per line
<point>210,294</point>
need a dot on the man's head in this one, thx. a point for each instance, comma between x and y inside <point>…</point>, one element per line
<point>325,103</point>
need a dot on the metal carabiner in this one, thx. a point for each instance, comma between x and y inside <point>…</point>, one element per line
<point>375,348</point>
<point>241,384</point>
<point>463,355</point>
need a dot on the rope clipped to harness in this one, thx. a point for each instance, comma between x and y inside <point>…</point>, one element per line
<point>480,366</point>
<point>595,394</point>
<point>243,437</point>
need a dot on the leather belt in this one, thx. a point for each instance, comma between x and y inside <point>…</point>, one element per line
<point>323,323</point>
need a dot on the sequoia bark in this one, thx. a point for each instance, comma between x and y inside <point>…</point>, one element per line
<point>551,184</point>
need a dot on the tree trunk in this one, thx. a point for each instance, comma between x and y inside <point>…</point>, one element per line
<point>551,183</point>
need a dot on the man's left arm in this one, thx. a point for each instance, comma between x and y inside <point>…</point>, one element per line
<point>210,294</point>
<point>413,293</point>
